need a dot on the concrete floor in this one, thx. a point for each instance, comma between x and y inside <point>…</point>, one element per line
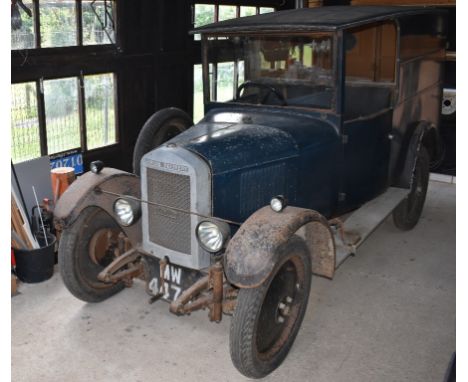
<point>388,315</point>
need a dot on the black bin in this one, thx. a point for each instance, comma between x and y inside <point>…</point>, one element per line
<point>36,265</point>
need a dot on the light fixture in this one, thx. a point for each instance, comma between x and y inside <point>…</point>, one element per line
<point>96,166</point>
<point>127,210</point>
<point>278,203</point>
<point>212,236</point>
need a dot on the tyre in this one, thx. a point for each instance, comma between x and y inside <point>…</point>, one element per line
<point>267,318</point>
<point>159,128</point>
<point>85,249</point>
<point>406,215</point>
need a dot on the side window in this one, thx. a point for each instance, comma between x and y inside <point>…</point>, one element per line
<point>370,54</point>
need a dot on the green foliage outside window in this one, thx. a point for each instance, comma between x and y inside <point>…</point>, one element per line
<point>58,24</point>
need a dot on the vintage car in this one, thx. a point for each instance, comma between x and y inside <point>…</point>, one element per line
<point>330,126</point>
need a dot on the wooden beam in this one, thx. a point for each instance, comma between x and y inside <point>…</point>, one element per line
<point>404,2</point>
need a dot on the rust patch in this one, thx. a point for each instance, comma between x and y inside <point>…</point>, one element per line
<point>123,268</point>
<point>186,303</point>
<point>252,253</point>
<point>216,283</point>
<point>85,192</point>
<point>230,300</point>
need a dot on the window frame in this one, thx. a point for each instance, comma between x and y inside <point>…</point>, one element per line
<point>79,30</point>
<point>335,70</point>
<point>197,43</point>
<point>81,100</point>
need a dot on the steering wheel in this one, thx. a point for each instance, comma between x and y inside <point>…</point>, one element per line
<point>271,89</point>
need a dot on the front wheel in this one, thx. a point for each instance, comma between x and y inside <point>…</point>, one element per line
<point>267,318</point>
<point>85,249</point>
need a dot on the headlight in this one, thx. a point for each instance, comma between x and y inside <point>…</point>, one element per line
<point>96,166</point>
<point>212,236</point>
<point>127,211</point>
<point>278,203</point>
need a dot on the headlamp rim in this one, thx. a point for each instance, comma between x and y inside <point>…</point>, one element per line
<point>223,229</point>
<point>134,206</point>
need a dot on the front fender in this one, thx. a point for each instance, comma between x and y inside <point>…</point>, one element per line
<point>86,192</point>
<point>253,252</point>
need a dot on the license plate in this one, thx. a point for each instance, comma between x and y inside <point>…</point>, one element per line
<point>176,280</point>
<point>70,159</point>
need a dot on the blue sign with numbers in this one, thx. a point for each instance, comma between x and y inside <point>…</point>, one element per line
<point>70,159</point>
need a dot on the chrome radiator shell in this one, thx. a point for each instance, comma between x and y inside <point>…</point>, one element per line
<point>175,177</point>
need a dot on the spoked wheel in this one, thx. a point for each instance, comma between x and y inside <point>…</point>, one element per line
<point>85,249</point>
<point>408,212</point>
<point>267,318</point>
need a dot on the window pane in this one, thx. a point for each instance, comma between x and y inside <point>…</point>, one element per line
<point>100,110</point>
<point>22,27</point>
<point>98,22</point>
<point>241,72</point>
<point>25,141</point>
<point>226,12</point>
<point>204,14</point>
<point>58,23</point>
<point>277,61</point>
<point>364,61</point>
<point>61,109</point>
<point>248,11</point>
<point>266,10</point>
<point>198,111</point>
<point>225,83</point>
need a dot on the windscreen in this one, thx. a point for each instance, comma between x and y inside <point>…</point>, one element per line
<point>294,70</point>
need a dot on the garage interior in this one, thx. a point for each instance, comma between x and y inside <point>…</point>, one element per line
<point>85,77</point>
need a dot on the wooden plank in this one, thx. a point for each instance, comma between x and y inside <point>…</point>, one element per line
<point>20,222</point>
<point>17,224</point>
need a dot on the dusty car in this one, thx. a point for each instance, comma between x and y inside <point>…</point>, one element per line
<point>331,126</point>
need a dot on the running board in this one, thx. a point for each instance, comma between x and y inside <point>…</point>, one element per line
<point>357,227</point>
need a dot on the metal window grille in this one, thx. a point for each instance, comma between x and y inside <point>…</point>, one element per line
<point>25,139</point>
<point>53,116</point>
<point>59,23</point>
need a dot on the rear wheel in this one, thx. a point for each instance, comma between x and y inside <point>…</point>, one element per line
<point>159,128</point>
<point>85,249</point>
<point>406,215</point>
<point>267,318</point>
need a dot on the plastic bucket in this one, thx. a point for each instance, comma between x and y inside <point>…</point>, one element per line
<point>36,265</point>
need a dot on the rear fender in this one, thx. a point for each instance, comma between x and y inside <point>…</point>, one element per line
<point>253,252</point>
<point>86,192</point>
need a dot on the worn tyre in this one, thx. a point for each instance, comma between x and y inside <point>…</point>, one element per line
<point>267,318</point>
<point>159,128</point>
<point>82,255</point>
<point>406,215</point>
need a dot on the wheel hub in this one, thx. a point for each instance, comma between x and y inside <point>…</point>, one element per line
<point>283,309</point>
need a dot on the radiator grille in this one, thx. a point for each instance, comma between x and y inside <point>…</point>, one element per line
<point>169,228</point>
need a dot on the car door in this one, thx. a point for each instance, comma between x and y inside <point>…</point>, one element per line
<point>370,54</point>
